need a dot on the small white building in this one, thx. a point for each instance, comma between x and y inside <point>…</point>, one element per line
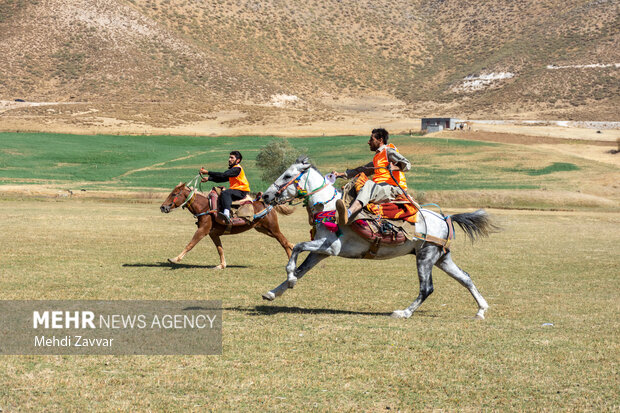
<point>438,124</point>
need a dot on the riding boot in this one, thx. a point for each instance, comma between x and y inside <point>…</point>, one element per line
<point>342,214</point>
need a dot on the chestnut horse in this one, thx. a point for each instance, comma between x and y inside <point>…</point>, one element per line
<point>199,207</point>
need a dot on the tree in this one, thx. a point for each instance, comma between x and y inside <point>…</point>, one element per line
<point>275,158</point>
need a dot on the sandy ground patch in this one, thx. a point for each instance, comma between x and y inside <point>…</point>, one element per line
<point>73,191</point>
<point>593,153</point>
<point>331,115</point>
<point>231,123</point>
<point>610,135</point>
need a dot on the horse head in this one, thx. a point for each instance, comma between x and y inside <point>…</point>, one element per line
<point>285,187</point>
<point>177,197</point>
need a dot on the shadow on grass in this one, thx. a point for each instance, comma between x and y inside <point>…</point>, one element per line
<point>177,266</point>
<point>272,310</point>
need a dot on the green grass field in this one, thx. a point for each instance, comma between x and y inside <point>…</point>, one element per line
<point>160,162</point>
<point>327,345</point>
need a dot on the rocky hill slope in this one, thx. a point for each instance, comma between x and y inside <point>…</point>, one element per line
<point>173,61</point>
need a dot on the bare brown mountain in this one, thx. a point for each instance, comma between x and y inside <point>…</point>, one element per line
<point>179,59</point>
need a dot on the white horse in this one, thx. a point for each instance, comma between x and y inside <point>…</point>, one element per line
<point>302,179</point>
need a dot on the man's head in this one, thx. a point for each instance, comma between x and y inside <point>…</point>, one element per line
<point>234,158</point>
<point>378,138</point>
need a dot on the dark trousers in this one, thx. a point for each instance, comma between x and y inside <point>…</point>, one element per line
<point>228,196</point>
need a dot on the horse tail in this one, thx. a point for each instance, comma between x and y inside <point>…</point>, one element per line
<point>476,224</point>
<point>284,210</point>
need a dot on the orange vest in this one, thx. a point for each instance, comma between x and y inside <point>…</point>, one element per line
<point>382,174</point>
<point>239,182</point>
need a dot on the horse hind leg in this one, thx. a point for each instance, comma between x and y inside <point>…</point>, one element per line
<point>288,246</point>
<point>446,264</point>
<point>425,259</point>
<point>220,250</point>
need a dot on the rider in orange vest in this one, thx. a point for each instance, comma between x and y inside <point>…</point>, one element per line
<point>382,187</point>
<point>235,175</point>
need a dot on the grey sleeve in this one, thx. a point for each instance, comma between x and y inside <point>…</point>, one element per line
<point>367,169</point>
<point>398,160</point>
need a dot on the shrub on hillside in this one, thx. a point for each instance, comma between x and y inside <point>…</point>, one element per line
<point>274,158</point>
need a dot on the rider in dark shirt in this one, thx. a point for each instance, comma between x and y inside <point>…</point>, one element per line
<point>235,175</point>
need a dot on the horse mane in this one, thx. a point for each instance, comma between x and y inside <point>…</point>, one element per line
<point>304,159</point>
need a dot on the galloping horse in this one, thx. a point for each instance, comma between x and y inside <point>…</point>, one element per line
<point>198,205</point>
<point>303,178</point>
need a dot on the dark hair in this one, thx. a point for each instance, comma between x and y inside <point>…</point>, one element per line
<point>237,155</point>
<point>381,133</point>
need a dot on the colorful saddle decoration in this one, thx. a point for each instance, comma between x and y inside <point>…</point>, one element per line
<point>327,218</point>
<point>400,208</point>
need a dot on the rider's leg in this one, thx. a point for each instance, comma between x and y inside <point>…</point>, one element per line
<point>226,202</point>
<point>227,197</point>
<point>370,192</point>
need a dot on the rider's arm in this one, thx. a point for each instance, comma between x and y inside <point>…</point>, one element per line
<point>397,159</point>
<point>223,176</point>
<point>367,169</point>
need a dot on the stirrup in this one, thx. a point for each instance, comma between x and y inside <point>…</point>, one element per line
<point>226,219</point>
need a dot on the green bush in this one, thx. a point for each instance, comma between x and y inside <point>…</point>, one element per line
<point>274,158</point>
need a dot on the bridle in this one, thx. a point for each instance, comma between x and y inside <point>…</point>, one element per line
<point>295,180</point>
<point>302,191</point>
<point>194,185</point>
<point>188,200</point>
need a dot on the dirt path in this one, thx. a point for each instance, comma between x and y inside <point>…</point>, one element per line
<point>147,168</point>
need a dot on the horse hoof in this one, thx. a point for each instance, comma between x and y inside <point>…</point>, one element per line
<point>480,314</point>
<point>269,296</point>
<point>292,282</point>
<point>173,261</point>
<point>400,314</point>
<point>219,267</point>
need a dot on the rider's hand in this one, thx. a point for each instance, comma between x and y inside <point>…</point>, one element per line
<point>203,171</point>
<point>339,174</point>
<point>204,179</point>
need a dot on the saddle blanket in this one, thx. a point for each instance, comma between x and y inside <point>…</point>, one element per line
<point>399,208</point>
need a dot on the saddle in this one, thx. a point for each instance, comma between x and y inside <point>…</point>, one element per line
<point>391,223</point>
<point>242,210</point>
<point>378,233</point>
<point>398,213</point>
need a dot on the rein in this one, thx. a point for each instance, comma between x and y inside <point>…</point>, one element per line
<point>189,199</point>
<point>196,185</point>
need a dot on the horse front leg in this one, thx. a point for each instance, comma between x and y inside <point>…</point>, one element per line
<point>220,250</point>
<point>198,235</point>
<point>311,260</point>
<point>325,246</point>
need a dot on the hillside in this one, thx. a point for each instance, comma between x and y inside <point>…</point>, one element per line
<point>169,62</point>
